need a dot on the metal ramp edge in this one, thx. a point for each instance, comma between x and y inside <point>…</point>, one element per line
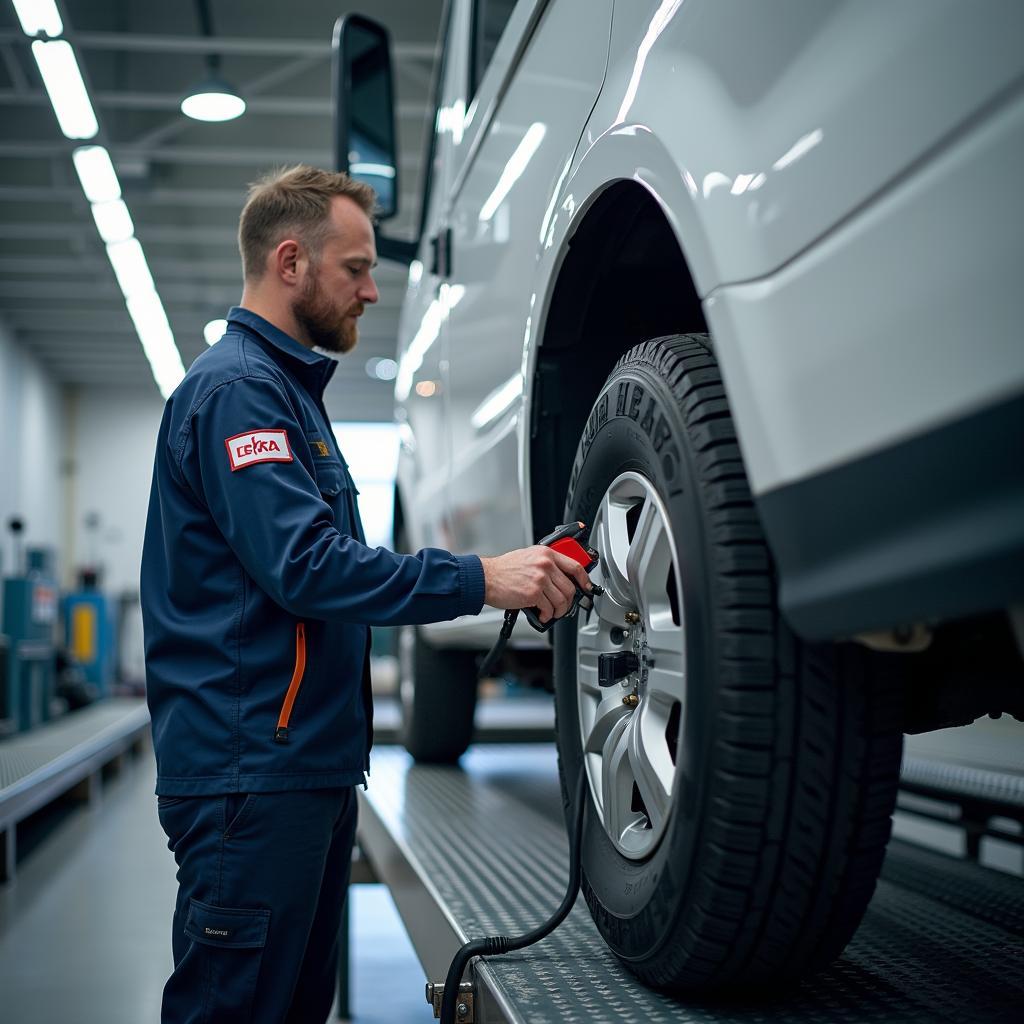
<point>481,850</point>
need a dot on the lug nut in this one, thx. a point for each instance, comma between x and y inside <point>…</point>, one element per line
<point>632,618</point>
<point>462,1009</point>
<point>631,700</point>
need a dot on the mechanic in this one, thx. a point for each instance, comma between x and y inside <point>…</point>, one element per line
<point>257,593</point>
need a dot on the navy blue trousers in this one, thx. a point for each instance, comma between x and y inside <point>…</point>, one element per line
<point>262,880</point>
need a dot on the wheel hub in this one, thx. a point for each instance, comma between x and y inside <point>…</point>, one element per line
<point>631,667</point>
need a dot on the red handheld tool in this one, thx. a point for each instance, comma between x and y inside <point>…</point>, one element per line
<point>568,539</point>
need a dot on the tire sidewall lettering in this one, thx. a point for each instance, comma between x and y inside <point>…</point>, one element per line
<point>633,426</point>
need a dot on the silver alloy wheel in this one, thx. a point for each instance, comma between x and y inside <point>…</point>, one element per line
<point>631,751</point>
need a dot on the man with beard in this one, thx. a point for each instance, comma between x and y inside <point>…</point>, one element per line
<point>257,593</point>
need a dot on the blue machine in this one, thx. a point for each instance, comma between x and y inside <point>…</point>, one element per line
<point>90,632</point>
<point>29,617</point>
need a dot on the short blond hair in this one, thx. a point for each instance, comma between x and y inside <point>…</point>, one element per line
<point>293,201</point>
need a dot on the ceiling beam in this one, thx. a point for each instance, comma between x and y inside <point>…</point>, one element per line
<point>48,267</point>
<point>172,293</point>
<point>142,196</point>
<point>243,156</point>
<point>171,233</point>
<point>62,326</point>
<point>289,106</point>
<point>139,42</point>
<point>58,289</point>
<point>14,70</point>
<point>251,87</point>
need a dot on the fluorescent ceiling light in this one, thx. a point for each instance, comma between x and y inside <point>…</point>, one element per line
<point>147,313</point>
<point>77,119</point>
<point>96,173</point>
<point>113,221</point>
<point>214,331</point>
<point>130,267</point>
<point>64,84</point>
<point>213,100</point>
<point>38,16</point>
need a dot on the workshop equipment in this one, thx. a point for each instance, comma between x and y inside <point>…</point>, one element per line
<point>29,616</point>
<point>568,539</point>
<point>90,628</point>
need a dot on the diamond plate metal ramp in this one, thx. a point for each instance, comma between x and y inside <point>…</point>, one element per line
<point>481,850</point>
<point>38,766</point>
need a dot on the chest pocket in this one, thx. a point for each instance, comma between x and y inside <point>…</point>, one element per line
<point>339,491</point>
<point>330,470</point>
<point>331,479</point>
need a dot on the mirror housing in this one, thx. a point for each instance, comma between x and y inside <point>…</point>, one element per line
<point>365,140</point>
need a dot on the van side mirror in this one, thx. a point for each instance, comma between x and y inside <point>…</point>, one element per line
<point>365,143</point>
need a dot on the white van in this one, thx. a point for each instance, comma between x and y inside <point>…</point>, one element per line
<point>737,284</point>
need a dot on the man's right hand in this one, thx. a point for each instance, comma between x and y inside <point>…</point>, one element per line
<point>534,577</point>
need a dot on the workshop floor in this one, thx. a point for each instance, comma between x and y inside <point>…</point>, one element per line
<point>85,928</point>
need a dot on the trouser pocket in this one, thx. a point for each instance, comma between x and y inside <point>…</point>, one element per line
<point>222,964</point>
<point>237,808</point>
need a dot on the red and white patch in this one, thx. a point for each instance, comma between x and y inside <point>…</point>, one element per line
<point>258,446</point>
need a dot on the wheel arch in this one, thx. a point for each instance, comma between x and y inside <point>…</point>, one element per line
<point>623,278</point>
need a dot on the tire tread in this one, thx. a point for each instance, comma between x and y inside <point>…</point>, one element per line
<point>807,743</point>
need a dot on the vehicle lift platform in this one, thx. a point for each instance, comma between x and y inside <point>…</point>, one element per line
<point>481,849</point>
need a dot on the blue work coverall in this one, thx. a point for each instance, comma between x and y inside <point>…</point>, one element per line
<point>257,592</point>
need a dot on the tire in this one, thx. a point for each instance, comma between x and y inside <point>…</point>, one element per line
<point>777,761</point>
<point>438,690</point>
<point>438,695</point>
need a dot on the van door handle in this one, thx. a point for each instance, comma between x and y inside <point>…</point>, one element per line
<point>441,253</point>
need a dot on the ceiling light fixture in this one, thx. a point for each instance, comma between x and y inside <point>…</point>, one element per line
<point>64,85</point>
<point>69,97</point>
<point>39,16</point>
<point>214,331</point>
<point>130,267</point>
<point>154,331</point>
<point>213,99</point>
<point>96,173</point>
<point>113,221</point>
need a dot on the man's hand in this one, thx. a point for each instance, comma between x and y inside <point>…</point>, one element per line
<point>534,577</point>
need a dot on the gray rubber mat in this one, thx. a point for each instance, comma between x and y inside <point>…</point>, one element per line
<point>941,941</point>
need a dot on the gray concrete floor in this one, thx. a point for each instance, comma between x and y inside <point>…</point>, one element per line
<point>85,927</point>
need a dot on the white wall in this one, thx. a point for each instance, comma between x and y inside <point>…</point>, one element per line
<point>113,442</point>
<point>32,450</point>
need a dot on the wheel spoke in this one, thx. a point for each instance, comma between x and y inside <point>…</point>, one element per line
<point>647,562</point>
<point>666,685</point>
<point>613,546</point>
<point>617,783</point>
<point>609,713</point>
<point>666,679</point>
<point>586,670</point>
<point>653,790</point>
